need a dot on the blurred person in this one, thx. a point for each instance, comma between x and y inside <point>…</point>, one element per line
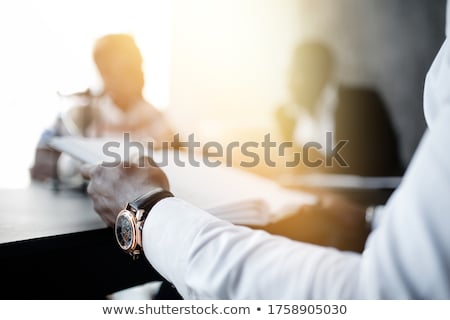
<point>320,104</point>
<point>406,256</point>
<point>118,109</point>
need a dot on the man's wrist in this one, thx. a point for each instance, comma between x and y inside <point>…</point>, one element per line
<point>130,221</point>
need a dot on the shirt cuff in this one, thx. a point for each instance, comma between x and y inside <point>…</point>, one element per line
<point>168,233</point>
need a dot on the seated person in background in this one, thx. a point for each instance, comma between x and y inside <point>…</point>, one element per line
<point>356,115</point>
<point>118,109</point>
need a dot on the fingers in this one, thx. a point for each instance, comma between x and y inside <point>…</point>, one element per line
<point>87,170</point>
<point>107,214</point>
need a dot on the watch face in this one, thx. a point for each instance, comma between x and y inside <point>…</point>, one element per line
<point>125,230</point>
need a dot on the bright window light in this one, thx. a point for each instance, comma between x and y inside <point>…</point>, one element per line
<point>47,47</point>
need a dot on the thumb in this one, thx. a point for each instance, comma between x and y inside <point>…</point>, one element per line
<point>87,170</point>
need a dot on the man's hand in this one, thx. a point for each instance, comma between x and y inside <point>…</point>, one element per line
<point>343,222</point>
<point>111,188</point>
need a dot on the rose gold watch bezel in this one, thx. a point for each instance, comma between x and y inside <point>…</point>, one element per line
<point>134,225</point>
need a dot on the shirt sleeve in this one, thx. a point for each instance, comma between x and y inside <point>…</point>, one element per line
<point>207,258</point>
<point>407,256</point>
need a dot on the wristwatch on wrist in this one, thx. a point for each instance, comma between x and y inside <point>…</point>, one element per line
<point>130,221</point>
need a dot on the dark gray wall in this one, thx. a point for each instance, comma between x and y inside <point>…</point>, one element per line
<point>389,44</point>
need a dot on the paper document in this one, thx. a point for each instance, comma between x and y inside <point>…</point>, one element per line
<point>228,193</point>
<point>340,181</point>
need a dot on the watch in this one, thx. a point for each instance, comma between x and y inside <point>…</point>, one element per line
<point>130,221</point>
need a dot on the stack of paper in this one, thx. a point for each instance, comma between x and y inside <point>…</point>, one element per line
<point>228,193</point>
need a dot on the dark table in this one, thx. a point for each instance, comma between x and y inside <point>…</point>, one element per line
<point>54,246</point>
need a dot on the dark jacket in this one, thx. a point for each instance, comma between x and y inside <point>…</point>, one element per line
<point>362,120</point>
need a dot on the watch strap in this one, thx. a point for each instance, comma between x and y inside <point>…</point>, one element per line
<point>149,199</point>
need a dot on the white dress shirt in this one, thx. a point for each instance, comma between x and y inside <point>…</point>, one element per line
<point>142,121</point>
<point>406,256</point>
<point>310,127</point>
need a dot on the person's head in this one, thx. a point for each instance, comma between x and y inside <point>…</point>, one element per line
<point>312,68</point>
<point>119,62</point>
